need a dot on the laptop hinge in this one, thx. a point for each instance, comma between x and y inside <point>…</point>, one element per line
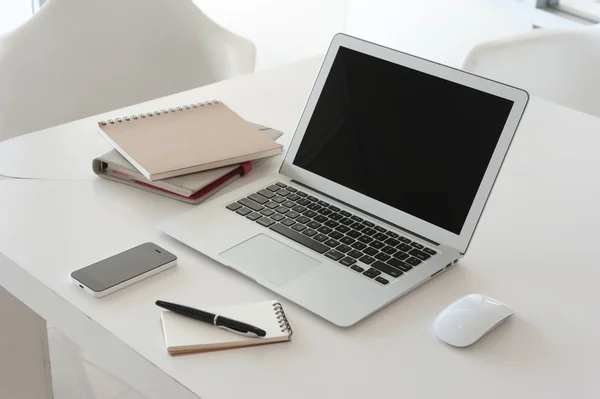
<point>367,213</point>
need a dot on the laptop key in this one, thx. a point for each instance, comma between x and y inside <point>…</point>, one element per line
<point>367,259</point>
<point>334,208</point>
<point>292,214</point>
<point>404,240</point>
<point>417,245</point>
<point>324,230</point>
<point>289,204</point>
<point>320,237</point>
<point>356,218</point>
<point>419,254</point>
<point>283,193</point>
<point>302,219</point>
<point>392,242</point>
<point>325,211</point>
<point>267,212</point>
<point>258,198</point>
<point>336,235</point>
<point>413,261</point>
<point>399,265</point>
<point>264,221</point>
<point>359,245</point>
<point>287,222</point>
<point>314,206</point>
<point>353,234</point>
<point>279,200</point>
<point>282,209</point>
<point>291,189</point>
<point>310,197</point>
<point>271,205</point>
<point>313,225</point>
<point>429,251</point>
<point>346,221</point>
<point>357,268</point>
<point>254,216</point>
<point>277,217</point>
<point>255,206</point>
<point>358,226</point>
<point>382,257</point>
<point>355,254</point>
<point>388,250</point>
<point>343,229</point>
<point>299,208</point>
<point>243,211</point>
<point>266,193</point>
<point>299,238</point>
<point>401,255</point>
<point>331,223</point>
<point>303,202</point>
<point>380,237</point>
<point>343,248</point>
<point>320,218</point>
<point>323,203</point>
<point>309,232</point>
<point>377,244</point>
<point>332,243</point>
<point>370,251</point>
<point>273,188</point>
<point>280,184</point>
<point>404,247</point>
<point>233,207</point>
<point>387,269</point>
<point>335,216</point>
<point>372,273</point>
<point>345,213</point>
<point>348,261</point>
<point>347,240</point>
<point>392,234</point>
<point>302,194</point>
<point>335,255</point>
<point>309,213</point>
<point>365,239</point>
<point>299,227</point>
<point>380,229</point>
<point>368,224</point>
<point>293,197</point>
<point>381,280</point>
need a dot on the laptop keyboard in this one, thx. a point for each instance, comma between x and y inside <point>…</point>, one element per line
<point>351,241</point>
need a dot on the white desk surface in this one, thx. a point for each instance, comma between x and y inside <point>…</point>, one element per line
<point>535,249</point>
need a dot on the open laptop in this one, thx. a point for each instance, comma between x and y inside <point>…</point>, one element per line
<point>381,189</point>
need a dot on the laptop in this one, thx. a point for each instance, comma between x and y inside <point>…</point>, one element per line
<point>381,188</point>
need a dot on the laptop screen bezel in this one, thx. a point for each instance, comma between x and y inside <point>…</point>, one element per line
<point>378,208</point>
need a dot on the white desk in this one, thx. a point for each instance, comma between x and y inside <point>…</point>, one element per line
<point>535,249</point>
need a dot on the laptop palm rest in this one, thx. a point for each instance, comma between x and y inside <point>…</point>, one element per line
<point>269,259</point>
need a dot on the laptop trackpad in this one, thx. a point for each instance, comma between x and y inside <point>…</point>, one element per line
<point>269,259</point>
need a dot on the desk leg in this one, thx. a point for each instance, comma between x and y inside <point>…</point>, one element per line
<point>24,357</point>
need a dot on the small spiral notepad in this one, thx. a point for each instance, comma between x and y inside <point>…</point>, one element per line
<point>185,336</point>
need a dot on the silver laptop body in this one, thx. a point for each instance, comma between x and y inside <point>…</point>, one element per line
<point>380,190</point>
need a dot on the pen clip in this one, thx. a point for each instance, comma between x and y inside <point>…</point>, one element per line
<point>246,333</point>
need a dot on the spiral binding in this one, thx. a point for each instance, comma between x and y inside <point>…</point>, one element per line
<point>157,113</point>
<point>284,324</point>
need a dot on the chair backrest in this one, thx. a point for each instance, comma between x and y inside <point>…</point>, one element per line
<point>76,58</point>
<point>562,66</point>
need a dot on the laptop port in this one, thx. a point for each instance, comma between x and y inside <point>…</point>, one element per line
<point>448,265</point>
<point>438,272</point>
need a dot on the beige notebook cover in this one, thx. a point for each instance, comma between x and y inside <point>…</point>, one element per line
<point>184,335</point>
<point>186,140</point>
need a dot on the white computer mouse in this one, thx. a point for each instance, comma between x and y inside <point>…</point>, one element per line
<point>469,318</point>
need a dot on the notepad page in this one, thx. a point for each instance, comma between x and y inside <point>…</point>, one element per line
<point>186,335</point>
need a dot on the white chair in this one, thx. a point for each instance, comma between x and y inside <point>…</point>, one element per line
<point>77,58</point>
<point>562,66</point>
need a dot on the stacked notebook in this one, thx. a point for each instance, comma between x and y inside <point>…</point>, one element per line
<point>187,153</point>
<point>184,335</point>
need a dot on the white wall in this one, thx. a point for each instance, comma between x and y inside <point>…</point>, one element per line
<point>282,30</point>
<point>13,13</point>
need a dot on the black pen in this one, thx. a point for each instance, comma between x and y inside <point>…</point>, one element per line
<point>218,321</point>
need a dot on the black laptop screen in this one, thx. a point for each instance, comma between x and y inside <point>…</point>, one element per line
<point>411,140</point>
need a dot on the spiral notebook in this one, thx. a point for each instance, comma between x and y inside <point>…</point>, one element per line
<point>187,139</point>
<point>184,335</point>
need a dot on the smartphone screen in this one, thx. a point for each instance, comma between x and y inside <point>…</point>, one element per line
<point>119,268</point>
